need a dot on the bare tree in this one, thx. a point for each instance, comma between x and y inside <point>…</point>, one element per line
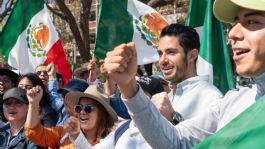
<point>81,32</point>
<point>7,8</point>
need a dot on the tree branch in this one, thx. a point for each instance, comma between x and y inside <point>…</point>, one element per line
<point>56,12</point>
<point>84,53</point>
<point>84,23</point>
<point>8,8</point>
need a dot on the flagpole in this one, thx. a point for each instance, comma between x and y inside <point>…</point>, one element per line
<point>92,51</point>
<point>74,60</point>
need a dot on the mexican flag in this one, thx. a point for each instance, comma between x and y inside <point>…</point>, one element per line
<point>214,59</point>
<point>246,131</point>
<point>29,39</point>
<point>123,21</point>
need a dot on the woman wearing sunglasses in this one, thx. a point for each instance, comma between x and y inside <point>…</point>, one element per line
<point>48,116</point>
<point>90,110</point>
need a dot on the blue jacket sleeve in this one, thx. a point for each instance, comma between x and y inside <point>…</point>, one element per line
<point>56,99</point>
<point>117,104</point>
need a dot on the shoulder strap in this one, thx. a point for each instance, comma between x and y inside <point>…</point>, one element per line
<point>120,131</point>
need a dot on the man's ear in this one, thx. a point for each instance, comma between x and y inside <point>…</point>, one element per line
<point>193,55</point>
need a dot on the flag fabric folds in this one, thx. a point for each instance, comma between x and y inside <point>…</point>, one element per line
<point>214,58</point>
<point>245,131</point>
<point>122,21</point>
<point>29,39</point>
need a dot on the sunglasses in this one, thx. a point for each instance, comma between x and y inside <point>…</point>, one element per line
<point>86,108</point>
<point>43,71</point>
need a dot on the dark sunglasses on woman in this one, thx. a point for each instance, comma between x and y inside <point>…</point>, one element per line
<point>86,108</point>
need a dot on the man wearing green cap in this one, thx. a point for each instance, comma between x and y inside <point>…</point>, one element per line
<point>247,38</point>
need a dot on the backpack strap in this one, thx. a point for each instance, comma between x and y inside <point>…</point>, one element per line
<point>121,130</point>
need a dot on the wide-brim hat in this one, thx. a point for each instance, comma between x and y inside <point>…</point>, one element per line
<point>12,75</point>
<point>80,70</point>
<point>94,93</point>
<point>226,10</point>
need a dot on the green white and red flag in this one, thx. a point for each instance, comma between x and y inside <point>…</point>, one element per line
<point>29,39</point>
<point>123,21</point>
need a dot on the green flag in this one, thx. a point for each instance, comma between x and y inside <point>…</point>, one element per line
<point>246,131</point>
<point>214,59</point>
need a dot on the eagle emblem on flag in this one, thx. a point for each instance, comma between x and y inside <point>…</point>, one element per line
<point>150,26</point>
<point>37,39</point>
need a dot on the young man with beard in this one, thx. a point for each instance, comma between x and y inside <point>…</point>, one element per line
<point>248,45</point>
<point>178,52</point>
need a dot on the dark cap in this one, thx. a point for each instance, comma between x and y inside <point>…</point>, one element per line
<point>78,85</point>
<point>12,75</point>
<point>150,84</point>
<point>16,93</point>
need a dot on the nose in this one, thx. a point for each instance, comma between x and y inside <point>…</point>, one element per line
<point>82,112</point>
<point>41,73</point>
<point>163,59</point>
<point>23,87</point>
<point>236,33</point>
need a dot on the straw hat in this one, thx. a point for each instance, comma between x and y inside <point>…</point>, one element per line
<point>92,92</point>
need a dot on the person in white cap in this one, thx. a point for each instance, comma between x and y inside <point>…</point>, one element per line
<point>248,45</point>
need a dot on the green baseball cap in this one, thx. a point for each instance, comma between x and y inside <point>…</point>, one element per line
<point>226,10</point>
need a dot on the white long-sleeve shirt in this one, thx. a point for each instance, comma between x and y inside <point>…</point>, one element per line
<point>193,95</point>
<point>160,134</point>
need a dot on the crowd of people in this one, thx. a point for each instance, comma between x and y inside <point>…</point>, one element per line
<point>177,109</point>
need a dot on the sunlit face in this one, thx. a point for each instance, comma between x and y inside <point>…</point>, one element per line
<point>25,84</point>
<point>5,83</point>
<point>43,75</point>
<point>15,110</point>
<point>88,121</point>
<point>172,59</point>
<point>248,42</point>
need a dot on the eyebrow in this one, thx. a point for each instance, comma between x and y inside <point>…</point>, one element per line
<point>169,49</point>
<point>254,13</point>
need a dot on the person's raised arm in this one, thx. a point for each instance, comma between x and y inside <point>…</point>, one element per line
<point>34,131</point>
<point>51,69</point>
<point>34,96</point>
<point>109,84</point>
<point>93,71</point>
<point>121,66</point>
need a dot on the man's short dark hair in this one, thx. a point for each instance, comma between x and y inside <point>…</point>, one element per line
<point>188,37</point>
